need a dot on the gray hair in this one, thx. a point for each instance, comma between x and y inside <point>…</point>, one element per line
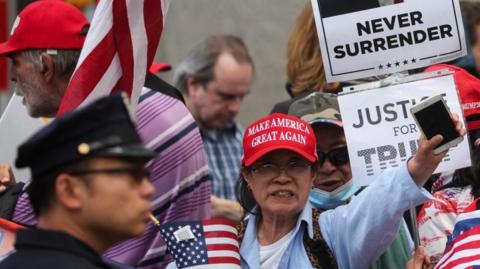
<point>201,60</point>
<point>64,61</point>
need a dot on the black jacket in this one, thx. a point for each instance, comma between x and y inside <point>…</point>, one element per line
<point>43,249</point>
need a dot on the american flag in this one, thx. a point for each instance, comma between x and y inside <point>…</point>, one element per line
<point>119,48</point>
<point>463,246</point>
<point>203,244</point>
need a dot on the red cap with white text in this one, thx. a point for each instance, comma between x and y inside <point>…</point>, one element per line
<point>278,131</point>
<point>46,24</point>
<point>469,93</point>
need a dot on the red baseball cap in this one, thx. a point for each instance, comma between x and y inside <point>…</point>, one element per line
<point>469,91</point>
<point>46,24</point>
<point>278,131</point>
<point>159,67</point>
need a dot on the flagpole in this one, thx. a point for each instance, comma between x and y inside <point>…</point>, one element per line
<point>413,219</point>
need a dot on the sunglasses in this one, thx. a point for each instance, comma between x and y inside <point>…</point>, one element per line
<point>337,156</point>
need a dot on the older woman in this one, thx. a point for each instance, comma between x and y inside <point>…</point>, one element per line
<point>279,167</point>
<point>283,231</point>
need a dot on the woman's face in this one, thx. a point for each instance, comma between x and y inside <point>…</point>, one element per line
<point>330,176</point>
<point>280,182</point>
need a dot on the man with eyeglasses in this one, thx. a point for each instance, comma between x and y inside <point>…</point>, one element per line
<point>214,79</point>
<point>333,185</point>
<point>89,189</point>
<point>44,47</point>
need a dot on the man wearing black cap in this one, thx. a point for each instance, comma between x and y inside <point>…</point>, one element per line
<point>89,190</point>
<point>44,47</point>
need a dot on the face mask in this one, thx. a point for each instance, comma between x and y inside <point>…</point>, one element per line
<point>329,200</point>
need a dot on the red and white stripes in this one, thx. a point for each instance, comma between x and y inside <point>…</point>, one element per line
<point>119,48</point>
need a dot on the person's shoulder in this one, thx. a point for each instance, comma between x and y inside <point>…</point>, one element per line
<point>157,85</point>
<point>44,259</point>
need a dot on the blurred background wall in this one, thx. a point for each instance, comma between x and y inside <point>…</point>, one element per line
<point>264,25</point>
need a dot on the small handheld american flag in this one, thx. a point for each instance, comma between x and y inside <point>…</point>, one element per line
<point>203,244</point>
<point>463,246</point>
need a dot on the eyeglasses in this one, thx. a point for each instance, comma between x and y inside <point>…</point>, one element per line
<point>138,174</point>
<point>337,156</point>
<point>269,171</point>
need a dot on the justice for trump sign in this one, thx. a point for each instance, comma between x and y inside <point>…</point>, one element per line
<point>381,132</point>
<point>360,39</point>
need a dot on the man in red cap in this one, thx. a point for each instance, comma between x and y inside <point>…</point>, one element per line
<point>44,47</point>
<point>43,61</point>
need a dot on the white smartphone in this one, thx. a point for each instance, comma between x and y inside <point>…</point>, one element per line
<point>433,117</point>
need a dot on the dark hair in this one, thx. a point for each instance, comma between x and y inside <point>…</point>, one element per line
<point>41,190</point>
<point>469,176</point>
<point>244,194</point>
<point>471,12</point>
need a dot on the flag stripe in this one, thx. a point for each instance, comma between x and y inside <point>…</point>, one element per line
<point>221,241</point>
<point>154,21</point>
<point>224,260</point>
<point>123,36</point>
<point>220,234</point>
<point>219,222</point>
<point>99,59</point>
<point>224,253</point>
<point>118,50</point>
<point>222,247</point>
<point>99,28</point>
<point>216,266</point>
<point>220,227</point>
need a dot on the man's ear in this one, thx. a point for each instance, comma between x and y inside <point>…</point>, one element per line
<point>193,86</point>
<point>48,67</point>
<point>70,191</point>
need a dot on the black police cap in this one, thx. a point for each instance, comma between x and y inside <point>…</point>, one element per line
<point>103,128</point>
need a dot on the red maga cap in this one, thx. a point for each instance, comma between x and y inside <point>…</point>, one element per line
<point>46,24</point>
<point>469,92</point>
<point>278,131</point>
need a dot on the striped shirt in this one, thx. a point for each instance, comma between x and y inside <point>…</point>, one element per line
<point>179,174</point>
<point>224,152</point>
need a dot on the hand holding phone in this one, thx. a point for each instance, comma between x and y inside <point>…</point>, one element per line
<point>433,117</point>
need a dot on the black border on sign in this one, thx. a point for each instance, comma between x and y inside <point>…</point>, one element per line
<point>365,69</point>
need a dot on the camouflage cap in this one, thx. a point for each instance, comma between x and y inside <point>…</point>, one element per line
<point>317,107</point>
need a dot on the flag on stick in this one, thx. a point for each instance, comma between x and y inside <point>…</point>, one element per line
<point>203,244</point>
<point>119,48</point>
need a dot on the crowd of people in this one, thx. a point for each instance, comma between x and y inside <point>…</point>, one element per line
<point>100,174</point>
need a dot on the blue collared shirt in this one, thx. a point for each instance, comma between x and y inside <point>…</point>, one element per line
<point>224,151</point>
<point>357,233</point>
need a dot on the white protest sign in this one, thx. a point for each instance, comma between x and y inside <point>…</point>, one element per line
<point>386,39</point>
<point>381,132</point>
<point>16,127</point>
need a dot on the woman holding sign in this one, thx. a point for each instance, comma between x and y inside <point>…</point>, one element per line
<point>283,231</point>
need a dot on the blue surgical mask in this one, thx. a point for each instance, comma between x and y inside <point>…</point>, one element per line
<point>329,200</point>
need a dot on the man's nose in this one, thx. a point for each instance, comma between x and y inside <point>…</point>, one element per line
<point>235,104</point>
